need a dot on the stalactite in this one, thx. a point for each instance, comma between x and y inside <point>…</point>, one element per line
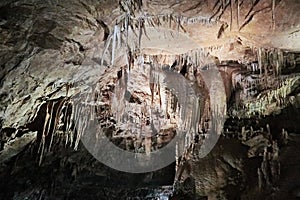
<point>126,24</point>
<point>273,15</point>
<point>238,14</point>
<point>50,119</point>
<point>82,124</point>
<point>221,30</point>
<point>115,37</point>
<point>231,15</point>
<point>266,63</point>
<point>62,118</point>
<point>280,61</point>
<point>75,115</point>
<point>44,134</point>
<point>69,117</point>
<point>140,32</point>
<point>260,62</point>
<point>170,21</point>
<point>178,24</point>
<point>106,48</point>
<point>223,4</point>
<point>56,121</point>
<point>77,120</point>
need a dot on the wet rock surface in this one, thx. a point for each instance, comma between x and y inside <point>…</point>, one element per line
<point>54,54</point>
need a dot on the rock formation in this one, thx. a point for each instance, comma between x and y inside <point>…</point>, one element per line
<point>216,83</point>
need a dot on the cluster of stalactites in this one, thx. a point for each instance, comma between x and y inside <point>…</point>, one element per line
<point>134,21</point>
<point>276,98</point>
<point>67,120</point>
<point>273,61</point>
<point>196,58</point>
<point>171,101</point>
<point>178,84</point>
<point>266,89</point>
<point>185,101</point>
<point>132,117</point>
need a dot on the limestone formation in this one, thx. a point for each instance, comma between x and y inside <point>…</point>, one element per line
<point>148,73</point>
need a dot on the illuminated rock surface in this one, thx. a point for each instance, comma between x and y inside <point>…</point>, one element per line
<point>148,72</point>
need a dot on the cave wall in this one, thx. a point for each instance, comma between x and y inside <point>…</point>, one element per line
<point>56,53</point>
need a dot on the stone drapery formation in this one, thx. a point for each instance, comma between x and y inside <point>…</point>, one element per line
<point>53,53</point>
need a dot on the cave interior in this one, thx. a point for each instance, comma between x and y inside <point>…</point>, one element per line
<point>150,99</point>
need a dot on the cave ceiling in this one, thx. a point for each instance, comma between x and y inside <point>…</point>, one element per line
<point>199,64</point>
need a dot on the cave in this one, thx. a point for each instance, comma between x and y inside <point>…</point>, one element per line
<point>149,99</point>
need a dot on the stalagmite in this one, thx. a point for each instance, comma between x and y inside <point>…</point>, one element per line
<point>268,129</point>
<point>284,136</point>
<point>260,179</point>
